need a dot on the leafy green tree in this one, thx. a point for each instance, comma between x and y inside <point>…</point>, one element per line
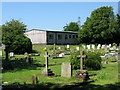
<point>73,26</point>
<point>14,39</point>
<point>100,27</point>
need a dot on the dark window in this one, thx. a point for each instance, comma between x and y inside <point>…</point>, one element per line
<point>51,36</point>
<point>76,36</point>
<point>69,36</point>
<point>59,36</point>
<point>73,36</point>
<point>66,37</point>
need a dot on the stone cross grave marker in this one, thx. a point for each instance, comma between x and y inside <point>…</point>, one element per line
<point>81,56</point>
<point>47,71</point>
<point>66,70</point>
<point>82,74</point>
<point>11,54</point>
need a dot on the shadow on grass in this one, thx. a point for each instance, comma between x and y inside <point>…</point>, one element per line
<point>17,65</point>
<point>53,86</point>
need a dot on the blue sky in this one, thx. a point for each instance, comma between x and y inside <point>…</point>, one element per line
<point>50,15</point>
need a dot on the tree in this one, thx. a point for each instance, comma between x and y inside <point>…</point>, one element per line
<point>73,26</point>
<point>100,27</point>
<point>14,39</point>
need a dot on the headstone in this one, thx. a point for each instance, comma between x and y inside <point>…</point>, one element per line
<point>84,47</point>
<point>88,46</point>
<point>103,47</point>
<point>66,70</point>
<point>110,45</point>
<point>34,79</point>
<point>98,47</point>
<point>0,53</point>
<point>26,55</point>
<point>61,55</point>
<point>114,47</point>
<point>68,46</point>
<point>11,54</point>
<point>77,48</point>
<point>118,56</point>
<point>59,48</point>
<point>93,46</point>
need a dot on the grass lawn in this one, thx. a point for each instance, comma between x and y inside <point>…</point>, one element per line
<point>107,75</point>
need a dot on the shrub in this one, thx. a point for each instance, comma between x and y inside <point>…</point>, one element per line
<point>92,62</point>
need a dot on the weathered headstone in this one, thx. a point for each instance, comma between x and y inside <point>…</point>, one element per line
<point>26,55</point>
<point>66,70</point>
<point>11,54</point>
<point>34,79</point>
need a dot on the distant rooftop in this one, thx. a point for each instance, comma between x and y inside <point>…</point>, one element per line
<point>53,31</point>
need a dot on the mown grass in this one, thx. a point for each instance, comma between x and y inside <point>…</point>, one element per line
<point>107,75</point>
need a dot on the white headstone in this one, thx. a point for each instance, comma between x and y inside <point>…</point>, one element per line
<point>11,54</point>
<point>103,47</point>
<point>98,47</point>
<point>0,53</point>
<point>77,48</point>
<point>110,45</point>
<point>84,47</point>
<point>68,46</point>
<point>93,46</point>
<point>59,48</point>
<point>88,46</point>
<point>61,54</point>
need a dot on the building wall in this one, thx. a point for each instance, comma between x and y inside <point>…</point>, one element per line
<point>61,38</point>
<point>51,37</point>
<point>37,36</point>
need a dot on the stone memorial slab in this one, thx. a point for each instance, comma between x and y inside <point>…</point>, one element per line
<point>66,70</point>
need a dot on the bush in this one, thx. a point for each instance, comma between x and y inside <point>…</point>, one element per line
<point>21,45</point>
<point>92,62</point>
